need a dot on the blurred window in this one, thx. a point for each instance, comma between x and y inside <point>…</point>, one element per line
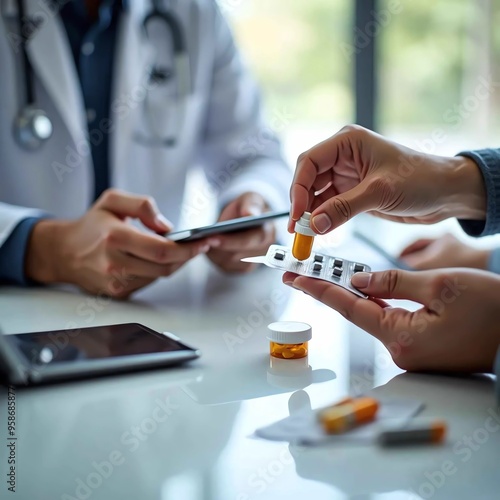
<point>294,49</point>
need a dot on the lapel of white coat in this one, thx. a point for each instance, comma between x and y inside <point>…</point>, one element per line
<point>133,57</point>
<point>52,61</point>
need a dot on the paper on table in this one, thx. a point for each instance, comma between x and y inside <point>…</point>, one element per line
<point>303,427</point>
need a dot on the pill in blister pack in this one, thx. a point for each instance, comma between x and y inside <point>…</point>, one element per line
<point>325,267</point>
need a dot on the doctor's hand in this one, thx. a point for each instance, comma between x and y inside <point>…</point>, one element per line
<point>227,249</point>
<point>102,253</point>
<point>446,251</point>
<point>456,329</point>
<point>357,171</point>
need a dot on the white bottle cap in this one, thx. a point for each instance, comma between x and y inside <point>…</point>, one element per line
<point>289,332</point>
<point>303,225</point>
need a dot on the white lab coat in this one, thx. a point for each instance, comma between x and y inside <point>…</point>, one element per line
<point>222,129</point>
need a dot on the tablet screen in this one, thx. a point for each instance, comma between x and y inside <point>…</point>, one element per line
<point>92,343</point>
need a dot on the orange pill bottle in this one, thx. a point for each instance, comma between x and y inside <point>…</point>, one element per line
<point>289,339</point>
<point>304,237</point>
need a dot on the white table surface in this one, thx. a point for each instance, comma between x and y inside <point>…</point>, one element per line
<point>205,448</point>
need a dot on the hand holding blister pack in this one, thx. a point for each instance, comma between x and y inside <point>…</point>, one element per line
<point>320,266</point>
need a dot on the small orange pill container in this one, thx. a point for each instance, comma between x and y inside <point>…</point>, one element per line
<point>304,237</point>
<point>289,339</point>
<point>348,414</point>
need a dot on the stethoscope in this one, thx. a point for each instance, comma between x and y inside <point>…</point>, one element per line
<point>32,125</point>
<point>161,75</point>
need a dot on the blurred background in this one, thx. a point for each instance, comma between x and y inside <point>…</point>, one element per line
<point>422,73</point>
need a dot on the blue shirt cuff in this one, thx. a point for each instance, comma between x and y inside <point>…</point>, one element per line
<point>488,161</point>
<point>494,261</point>
<point>13,253</point>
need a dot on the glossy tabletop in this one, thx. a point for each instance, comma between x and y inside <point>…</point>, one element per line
<point>188,433</point>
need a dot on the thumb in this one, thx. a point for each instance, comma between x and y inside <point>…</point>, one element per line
<point>394,284</point>
<point>143,208</point>
<point>341,208</point>
<point>252,204</point>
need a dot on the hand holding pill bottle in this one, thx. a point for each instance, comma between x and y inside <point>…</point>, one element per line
<point>357,170</point>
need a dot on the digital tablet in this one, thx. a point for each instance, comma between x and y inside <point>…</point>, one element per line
<point>227,226</point>
<point>52,356</point>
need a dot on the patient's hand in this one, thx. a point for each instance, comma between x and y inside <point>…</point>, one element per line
<point>456,329</point>
<point>446,251</point>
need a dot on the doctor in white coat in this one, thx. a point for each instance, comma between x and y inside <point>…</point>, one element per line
<point>102,116</point>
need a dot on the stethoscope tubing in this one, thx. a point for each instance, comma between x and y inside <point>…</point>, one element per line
<point>25,129</point>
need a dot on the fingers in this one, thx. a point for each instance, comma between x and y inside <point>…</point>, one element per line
<point>375,318</point>
<point>153,248</point>
<point>132,266</point>
<point>245,205</point>
<point>140,207</point>
<point>230,262</point>
<point>418,255</point>
<point>289,277</point>
<point>343,147</point>
<point>425,260</point>
<point>304,178</point>
<point>252,204</point>
<point>416,246</point>
<point>395,284</point>
<point>231,248</point>
<point>123,288</point>
<point>247,240</point>
<point>310,165</point>
<point>340,209</point>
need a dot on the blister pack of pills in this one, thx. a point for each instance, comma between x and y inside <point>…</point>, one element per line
<point>324,267</point>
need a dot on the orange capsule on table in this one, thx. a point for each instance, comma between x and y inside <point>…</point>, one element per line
<point>341,418</point>
<point>340,402</point>
<point>343,401</point>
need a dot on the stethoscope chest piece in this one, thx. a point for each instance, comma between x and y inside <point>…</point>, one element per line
<point>32,127</point>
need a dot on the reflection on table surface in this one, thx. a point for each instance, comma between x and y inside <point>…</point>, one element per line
<point>187,433</point>
<point>465,467</point>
